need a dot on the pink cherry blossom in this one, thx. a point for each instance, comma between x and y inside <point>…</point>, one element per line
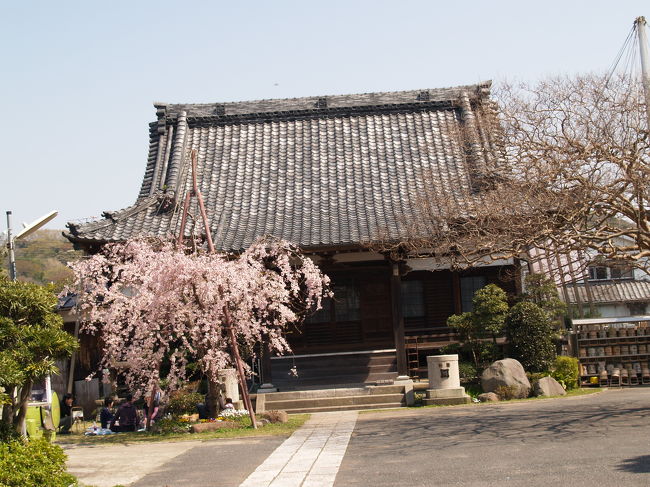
<point>152,303</point>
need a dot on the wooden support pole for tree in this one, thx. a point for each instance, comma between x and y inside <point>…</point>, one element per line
<point>204,215</point>
<point>240,368</point>
<point>228,322</point>
<point>186,207</point>
<point>73,359</point>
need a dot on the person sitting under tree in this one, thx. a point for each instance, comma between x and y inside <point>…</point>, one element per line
<point>65,423</point>
<point>126,417</point>
<point>106,415</point>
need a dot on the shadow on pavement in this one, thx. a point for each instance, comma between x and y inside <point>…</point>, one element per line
<point>639,464</point>
<point>481,424</point>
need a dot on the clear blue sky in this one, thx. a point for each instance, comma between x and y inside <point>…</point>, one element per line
<point>78,79</point>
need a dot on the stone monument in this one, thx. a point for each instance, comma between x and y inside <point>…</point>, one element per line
<point>230,386</point>
<point>444,381</point>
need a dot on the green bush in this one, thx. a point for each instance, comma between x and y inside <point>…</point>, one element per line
<point>530,336</point>
<point>183,403</point>
<point>473,390</point>
<point>8,432</point>
<point>490,306</point>
<point>170,425</point>
<point>565,370</point>
<point>451,349</point>
<point>486,321</point>
<point>466,370</point>
<point>488,352</point>
<point>418,398</point>
<point>33,463</point>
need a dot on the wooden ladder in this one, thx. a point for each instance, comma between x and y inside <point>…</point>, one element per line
<point>413,357</point>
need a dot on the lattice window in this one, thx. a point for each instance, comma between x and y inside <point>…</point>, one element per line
<point>347,305</point>
<point>468,287</point>
<point>413,299</point>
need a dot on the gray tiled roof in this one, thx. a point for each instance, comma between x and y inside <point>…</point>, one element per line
<point>319,171</point>
<point>612,292</point>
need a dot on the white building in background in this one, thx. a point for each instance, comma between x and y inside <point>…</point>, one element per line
<point>597,286</point>
<point>614,291</point>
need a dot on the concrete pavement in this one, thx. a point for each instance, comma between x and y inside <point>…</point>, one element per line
<point>310,458</point>
<point>601,439</point>
<point>108,465</point>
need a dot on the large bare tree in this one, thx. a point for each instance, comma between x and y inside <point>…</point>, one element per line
<point>568,171</point>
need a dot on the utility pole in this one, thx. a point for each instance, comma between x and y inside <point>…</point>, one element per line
<point>640,25</point>
<point>10,246</point>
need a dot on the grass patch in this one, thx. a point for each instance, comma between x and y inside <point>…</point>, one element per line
<point>273,429</point>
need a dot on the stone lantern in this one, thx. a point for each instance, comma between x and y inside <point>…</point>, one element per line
<point>444,381</point>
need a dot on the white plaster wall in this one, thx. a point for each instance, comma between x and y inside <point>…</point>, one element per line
<point>615,310</point>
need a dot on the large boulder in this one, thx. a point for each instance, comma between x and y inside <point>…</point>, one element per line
<point>506,374</point>
<point>548,386</point>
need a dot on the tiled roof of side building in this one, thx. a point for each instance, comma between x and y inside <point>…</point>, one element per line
<point>318,171</point>
<point>611,292</point>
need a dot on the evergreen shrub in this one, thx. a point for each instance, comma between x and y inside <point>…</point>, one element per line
<point>565,370</point>
<point>8,432</point>
<point>36,462</point>
<point>530,336</point>
<point>183,403</point>
<point>467,371</point>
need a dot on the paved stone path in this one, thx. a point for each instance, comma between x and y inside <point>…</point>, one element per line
<point>311,457</point>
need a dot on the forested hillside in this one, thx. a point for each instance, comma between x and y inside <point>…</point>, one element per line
<point>41,257</point>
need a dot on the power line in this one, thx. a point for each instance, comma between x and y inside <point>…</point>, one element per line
<point>626,49</point>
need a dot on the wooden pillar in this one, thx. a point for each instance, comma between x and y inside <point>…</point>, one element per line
<point>398,319</point>
<point>73,359</point>
<point>267,371</point>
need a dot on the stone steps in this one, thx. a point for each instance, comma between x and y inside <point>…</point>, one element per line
<point>335,399</point>
<point>337,392</point>
<point>324,402</point>
<point>358,407</point>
